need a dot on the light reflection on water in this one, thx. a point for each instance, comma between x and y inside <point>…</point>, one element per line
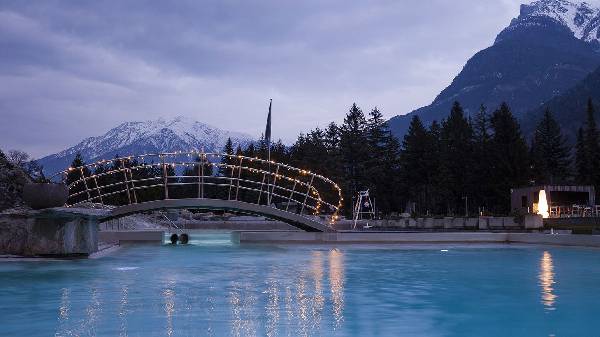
<point>302,291</point>
<point>123,311</point>
<point>336,279</point>
<point>303,301</point>
<point>169,298</point>
<point>546,280</point>
<point>272,307</point>
<point>243,301</point>
<point>318,300</point>
<point>63,313</point>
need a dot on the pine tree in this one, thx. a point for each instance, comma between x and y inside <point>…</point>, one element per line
<point>549,152</point>
<point>382,164</point>
<point>228,148</point>
<point>333,167</point>
<point>77,171</point>
<point>226,160</point>
<point>355,151</point>
<point>481,164</point>
<point>225,170</point>
<point>332,136</point>
<point>508,157</point>
<point>263,148</point>
<point>414,162</point>
<point>456,154</point>
<point>279,152</point>
<point>309,151</point>
<point>588,156</point>
<point>250,151</point>
<point>243,193</point>
<point>581,159</point>
<point>481,127</point>
<point>377,129</point>
<point>435,203</point>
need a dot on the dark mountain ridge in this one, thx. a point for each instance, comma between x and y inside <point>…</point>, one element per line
<point>569,109</point>
<point>536,58</point>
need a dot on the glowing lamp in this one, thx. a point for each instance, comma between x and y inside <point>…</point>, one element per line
<point>543,205</point>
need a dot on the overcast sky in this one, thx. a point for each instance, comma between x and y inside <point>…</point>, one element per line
<point>73,69</point>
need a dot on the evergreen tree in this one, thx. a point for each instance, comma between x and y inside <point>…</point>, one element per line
<point>77,171</point>
<point>508,158</point>
<point>224,170</point>
<point>310,151</point>
<point>382,164</point>
<point>481,127</point>
<point>250,151</point>
<point>231,193</point>
<point>549,152</point>
<point>414,164</point>
<point>117,189</point>
<point>432,191</point>
<point>377,130</point>
<point>332,137</point>
<point>263,148</point>
<point>228,148</point>
<point>588,154</point>
<point>332,165</point>
<point>145,175</point>
<point>480,172</point>
<point>456,154</point>
<point>581,159</point>
<point>245,193</point>
<point>278,152</point>
<point>355,151</point>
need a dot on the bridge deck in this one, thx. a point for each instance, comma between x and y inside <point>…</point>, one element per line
<point>296,220</point>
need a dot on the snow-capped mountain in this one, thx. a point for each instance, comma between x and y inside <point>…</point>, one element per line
<point>580,18</point>
<point>549,48</point>
<point>161,135</point>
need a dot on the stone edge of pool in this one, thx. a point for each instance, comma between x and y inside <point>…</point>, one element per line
<point>415,238</point>
<point>292,237</point>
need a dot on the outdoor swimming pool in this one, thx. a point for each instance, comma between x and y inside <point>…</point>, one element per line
<point>216,288</point>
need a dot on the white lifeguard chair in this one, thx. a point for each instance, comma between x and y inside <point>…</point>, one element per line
<point>363,208</point>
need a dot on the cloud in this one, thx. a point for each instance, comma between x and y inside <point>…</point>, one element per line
<point>70,70</point>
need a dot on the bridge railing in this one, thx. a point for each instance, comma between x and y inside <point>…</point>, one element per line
<point>178,175</point>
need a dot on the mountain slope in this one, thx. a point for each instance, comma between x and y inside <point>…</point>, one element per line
<point>570,108</point>
<point>549,48</point>
<point>131,138</point>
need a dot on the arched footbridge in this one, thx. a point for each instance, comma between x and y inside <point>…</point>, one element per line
<point>207,181</point>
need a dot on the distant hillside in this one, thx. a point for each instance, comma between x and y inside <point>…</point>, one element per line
<point>548,49</point>
<point>569,108</point>
<point>133,138</point>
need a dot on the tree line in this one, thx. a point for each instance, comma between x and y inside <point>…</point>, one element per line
<point>461,164</point>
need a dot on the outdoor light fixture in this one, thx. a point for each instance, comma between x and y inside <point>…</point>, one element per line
<point>543,205</point>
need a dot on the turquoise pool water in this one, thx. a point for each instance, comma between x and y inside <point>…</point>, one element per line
<point>216,288</point>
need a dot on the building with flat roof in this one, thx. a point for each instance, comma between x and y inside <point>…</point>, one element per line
<point>555,201</point>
